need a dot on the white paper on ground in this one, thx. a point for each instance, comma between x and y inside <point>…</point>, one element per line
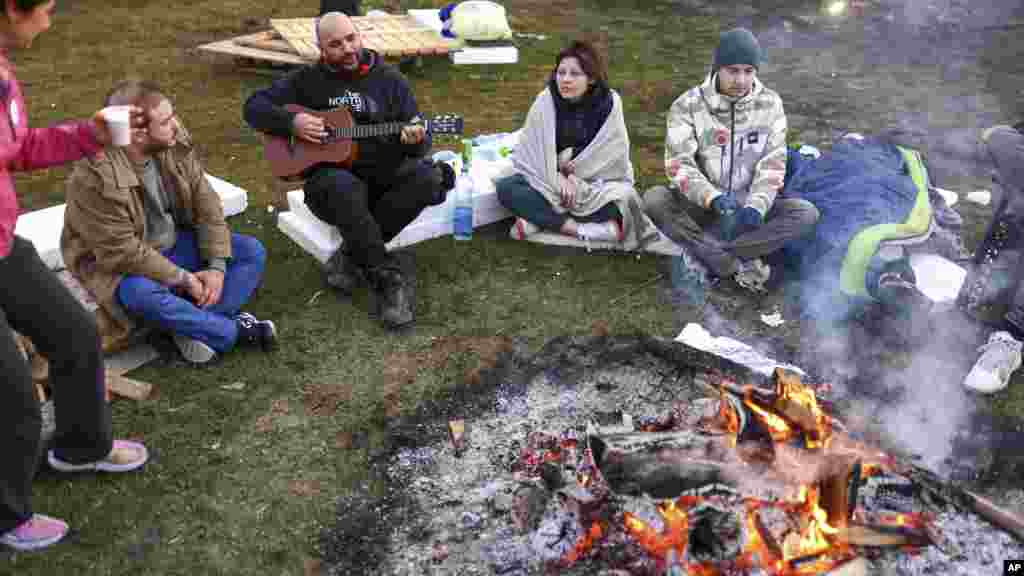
<point>983,197</point>
<point>695,335</point>
<point>937,277</point>
<point>949,196</point>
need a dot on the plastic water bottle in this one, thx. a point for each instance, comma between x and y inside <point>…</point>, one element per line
<point>462,218</point>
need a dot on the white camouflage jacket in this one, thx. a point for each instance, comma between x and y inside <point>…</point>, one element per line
<point>715,143</point>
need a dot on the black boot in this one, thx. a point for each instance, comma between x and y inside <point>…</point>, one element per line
<point>253,331</point>
<point>393,296</point>
<point>342,273</point>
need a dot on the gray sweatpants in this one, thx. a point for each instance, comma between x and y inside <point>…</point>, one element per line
<point>687,224</point>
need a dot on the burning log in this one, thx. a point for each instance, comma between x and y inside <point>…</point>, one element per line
<point>716,534</point>
<point>962,498</point>
<point>882,536</point>
<point>662,465</point>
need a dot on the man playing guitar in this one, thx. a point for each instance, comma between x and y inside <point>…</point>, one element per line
<point>381,188</point>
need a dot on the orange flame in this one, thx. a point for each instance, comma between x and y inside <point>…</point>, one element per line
<point>728,418</point>
<point>584,544</point>
<point>791,390</point>
<point>777,427</point>
<point>672,537</point>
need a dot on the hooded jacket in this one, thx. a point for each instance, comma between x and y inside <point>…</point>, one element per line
<point>715,144</point>
<point>375,93</point>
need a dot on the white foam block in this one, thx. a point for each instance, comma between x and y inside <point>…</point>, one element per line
<point>43,227</point>
<point>937,277</point>
<point>485,55</point>
<point>429,18</point>
<point>321,240</point>
<point>234,199</point>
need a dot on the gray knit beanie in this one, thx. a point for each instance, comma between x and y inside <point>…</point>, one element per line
<point>737,46</point>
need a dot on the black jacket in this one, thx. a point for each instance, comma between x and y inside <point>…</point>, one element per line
<point>377,93</point>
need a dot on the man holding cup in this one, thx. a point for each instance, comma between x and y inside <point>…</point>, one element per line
<point>145,234</point>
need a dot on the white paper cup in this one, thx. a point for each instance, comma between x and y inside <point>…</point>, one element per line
<point>119,122</point>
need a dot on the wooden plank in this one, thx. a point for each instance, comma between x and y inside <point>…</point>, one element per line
<point>269,40</point>
<point>229,48</point>
<point>127,387</point>
<point>393,35</point>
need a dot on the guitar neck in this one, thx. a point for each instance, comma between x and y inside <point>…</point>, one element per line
<point>367,130</point>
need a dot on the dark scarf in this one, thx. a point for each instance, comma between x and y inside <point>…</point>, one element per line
<point>578,122</point>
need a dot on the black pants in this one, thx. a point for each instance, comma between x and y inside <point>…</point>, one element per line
<point>349,7</point>
<point>995,281</point>
<point>371,207</point>
<point>33,301</point>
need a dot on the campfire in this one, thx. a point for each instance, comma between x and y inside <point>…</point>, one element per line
<point>764,483</point>
<point>637,456</point>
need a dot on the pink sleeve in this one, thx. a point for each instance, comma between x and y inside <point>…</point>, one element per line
<point>55,145</point>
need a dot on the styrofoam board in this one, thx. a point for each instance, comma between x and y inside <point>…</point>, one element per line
<point>43,227</point>
<point>482,55</point>
<point>663,245</point>
<point>234,199</point>
<point>429,18</point>
<point>938,278</point>
<point>321,240</point>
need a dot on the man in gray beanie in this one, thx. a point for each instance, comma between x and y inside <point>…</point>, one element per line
<point>725,156</point>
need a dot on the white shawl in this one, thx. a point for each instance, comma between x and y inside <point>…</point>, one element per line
<point>602,172</point>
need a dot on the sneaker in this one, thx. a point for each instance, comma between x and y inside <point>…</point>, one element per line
<point>689,278</point>
<point>342,273</point>
<point>392,297</point>
<point>194,351</point>
<point>610,231</point>
<point>999,358</point>
<point>124,457</point>
<point>522,228</point>
<point>753,275</point>
<point>37,532</point>
<point>253,331</point>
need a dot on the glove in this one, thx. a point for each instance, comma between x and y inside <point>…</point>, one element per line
<point>747,219</point>
<point>724,204</point>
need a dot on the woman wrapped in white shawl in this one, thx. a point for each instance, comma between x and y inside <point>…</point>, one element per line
<point>573,172</point>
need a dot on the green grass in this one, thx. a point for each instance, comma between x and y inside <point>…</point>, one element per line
<point>242,481</point>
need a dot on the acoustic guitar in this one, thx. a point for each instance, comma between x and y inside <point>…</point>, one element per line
<point>291,157</point>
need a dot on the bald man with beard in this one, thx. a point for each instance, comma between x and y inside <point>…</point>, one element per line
<point>390,182</point>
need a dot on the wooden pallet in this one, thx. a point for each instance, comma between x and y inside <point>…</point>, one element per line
<point>245,48</point>
<point>388,35</point>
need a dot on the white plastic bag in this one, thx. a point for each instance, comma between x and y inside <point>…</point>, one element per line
<point>480,20</point>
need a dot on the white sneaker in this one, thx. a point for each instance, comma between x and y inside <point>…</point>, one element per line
<point>609,231</point>
<point>753,275</point>
<point>1000,357</point>
<point>522,228</point>
<point>194,351</point>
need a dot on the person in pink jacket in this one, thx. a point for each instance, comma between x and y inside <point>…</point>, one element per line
<point>34,302</point>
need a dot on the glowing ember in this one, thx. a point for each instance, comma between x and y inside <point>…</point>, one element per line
<point>777,427</point>
<point>791,391</point>
<point>585,543</point>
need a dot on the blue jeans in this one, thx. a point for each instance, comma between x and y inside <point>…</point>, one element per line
<point>214,325</point>
<point>516,194</point>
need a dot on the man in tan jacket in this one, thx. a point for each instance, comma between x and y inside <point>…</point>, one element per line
<point>725,155</point>
<point>145,234</point>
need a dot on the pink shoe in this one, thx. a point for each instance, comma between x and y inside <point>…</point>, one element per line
<point>125,457</point>
<point>37,532</point>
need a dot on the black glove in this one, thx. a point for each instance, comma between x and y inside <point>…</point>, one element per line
<point>747,219</point>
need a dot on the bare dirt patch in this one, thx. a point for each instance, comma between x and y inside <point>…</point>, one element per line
<point>278,409</point>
